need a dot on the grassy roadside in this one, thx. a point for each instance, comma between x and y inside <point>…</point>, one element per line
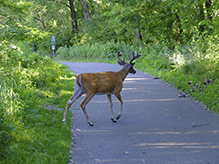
<point>34,91</point>
<point>203,75</point>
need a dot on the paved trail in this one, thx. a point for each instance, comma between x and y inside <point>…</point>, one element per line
<point>156,127</point>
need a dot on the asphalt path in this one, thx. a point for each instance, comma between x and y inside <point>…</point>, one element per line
<point>156,127</point>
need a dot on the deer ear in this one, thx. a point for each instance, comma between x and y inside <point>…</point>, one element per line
<point>132,64</point>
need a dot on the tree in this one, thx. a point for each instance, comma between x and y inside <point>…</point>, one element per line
<point>39,13</point>
<point>201,17</point>
<point>73,17</point>
<point>72,22</point>
<point>13,26</point>
<point>87,12</point>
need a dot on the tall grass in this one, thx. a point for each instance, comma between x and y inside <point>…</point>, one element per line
<point>106,51</point>
<point>29,132</point>
<point>187,63</point>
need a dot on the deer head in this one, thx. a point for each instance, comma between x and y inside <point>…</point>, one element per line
<point>128,66</point>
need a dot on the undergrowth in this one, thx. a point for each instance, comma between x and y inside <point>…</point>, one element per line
<point>29,132</point>
<point>185,64</point>
<point>95,51</point>
<point>196,62</point>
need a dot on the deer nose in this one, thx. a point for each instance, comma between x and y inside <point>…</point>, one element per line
<point>133,71</point>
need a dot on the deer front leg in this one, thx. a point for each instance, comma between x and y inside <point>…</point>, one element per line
<point>83,105</point>
<point>120,99</point>
<point>111,107</point>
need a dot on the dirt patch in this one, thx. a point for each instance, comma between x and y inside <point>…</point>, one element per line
<point>52,107</point>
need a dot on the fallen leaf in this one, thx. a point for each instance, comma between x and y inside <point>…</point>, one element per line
<point>70,160</point>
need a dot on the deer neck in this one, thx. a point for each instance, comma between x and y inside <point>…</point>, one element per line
<point>123,73</point>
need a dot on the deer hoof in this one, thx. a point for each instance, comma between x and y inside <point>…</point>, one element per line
<point>113,120</point>
<point>90,123</point>
<point>118,116</point>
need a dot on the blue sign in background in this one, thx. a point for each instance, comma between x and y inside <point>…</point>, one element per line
<point>53,40</point>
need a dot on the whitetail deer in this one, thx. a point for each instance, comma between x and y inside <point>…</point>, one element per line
<point>101,83</point>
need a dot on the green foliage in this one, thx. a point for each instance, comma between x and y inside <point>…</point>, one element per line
<point>115,24</point>
<point>11,110</point>
<point>31,133</point>
<point>112,21</point>
<point>185,64</point>
<point>94,51</point>
<point>159,21</point>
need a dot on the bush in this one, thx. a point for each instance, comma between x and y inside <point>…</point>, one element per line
<point>95,51</point>
<point>183,64</point>
<point>30,133</point>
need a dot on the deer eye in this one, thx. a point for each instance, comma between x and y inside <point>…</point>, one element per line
<point>131,69</point>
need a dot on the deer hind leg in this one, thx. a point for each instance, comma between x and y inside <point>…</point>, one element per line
<point>83,105</point>
<point>120,99</point>
<point>111,107</point>
<point>78,93</point>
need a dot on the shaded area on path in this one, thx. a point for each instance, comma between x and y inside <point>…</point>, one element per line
<point>156,127</point>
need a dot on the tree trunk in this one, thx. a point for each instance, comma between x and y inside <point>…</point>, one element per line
<point>179,24</point>
<point>87,12</point>
<point>180,28</point>
<point>208,6</point>
<point>73,17</point>
<point>60,20</point>
<point>201,17</point>
<point>41,20</point>
<point>43,23</point>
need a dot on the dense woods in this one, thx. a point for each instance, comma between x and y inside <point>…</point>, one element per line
<point>178,40</point>
<point>90,21</point>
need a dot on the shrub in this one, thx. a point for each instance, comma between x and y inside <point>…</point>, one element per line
<point>30,133</point>
<point>95,51</point>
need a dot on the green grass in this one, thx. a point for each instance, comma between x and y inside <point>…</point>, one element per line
<point>30,133</point>
<point>43,139</point>
<point>192,68</point>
